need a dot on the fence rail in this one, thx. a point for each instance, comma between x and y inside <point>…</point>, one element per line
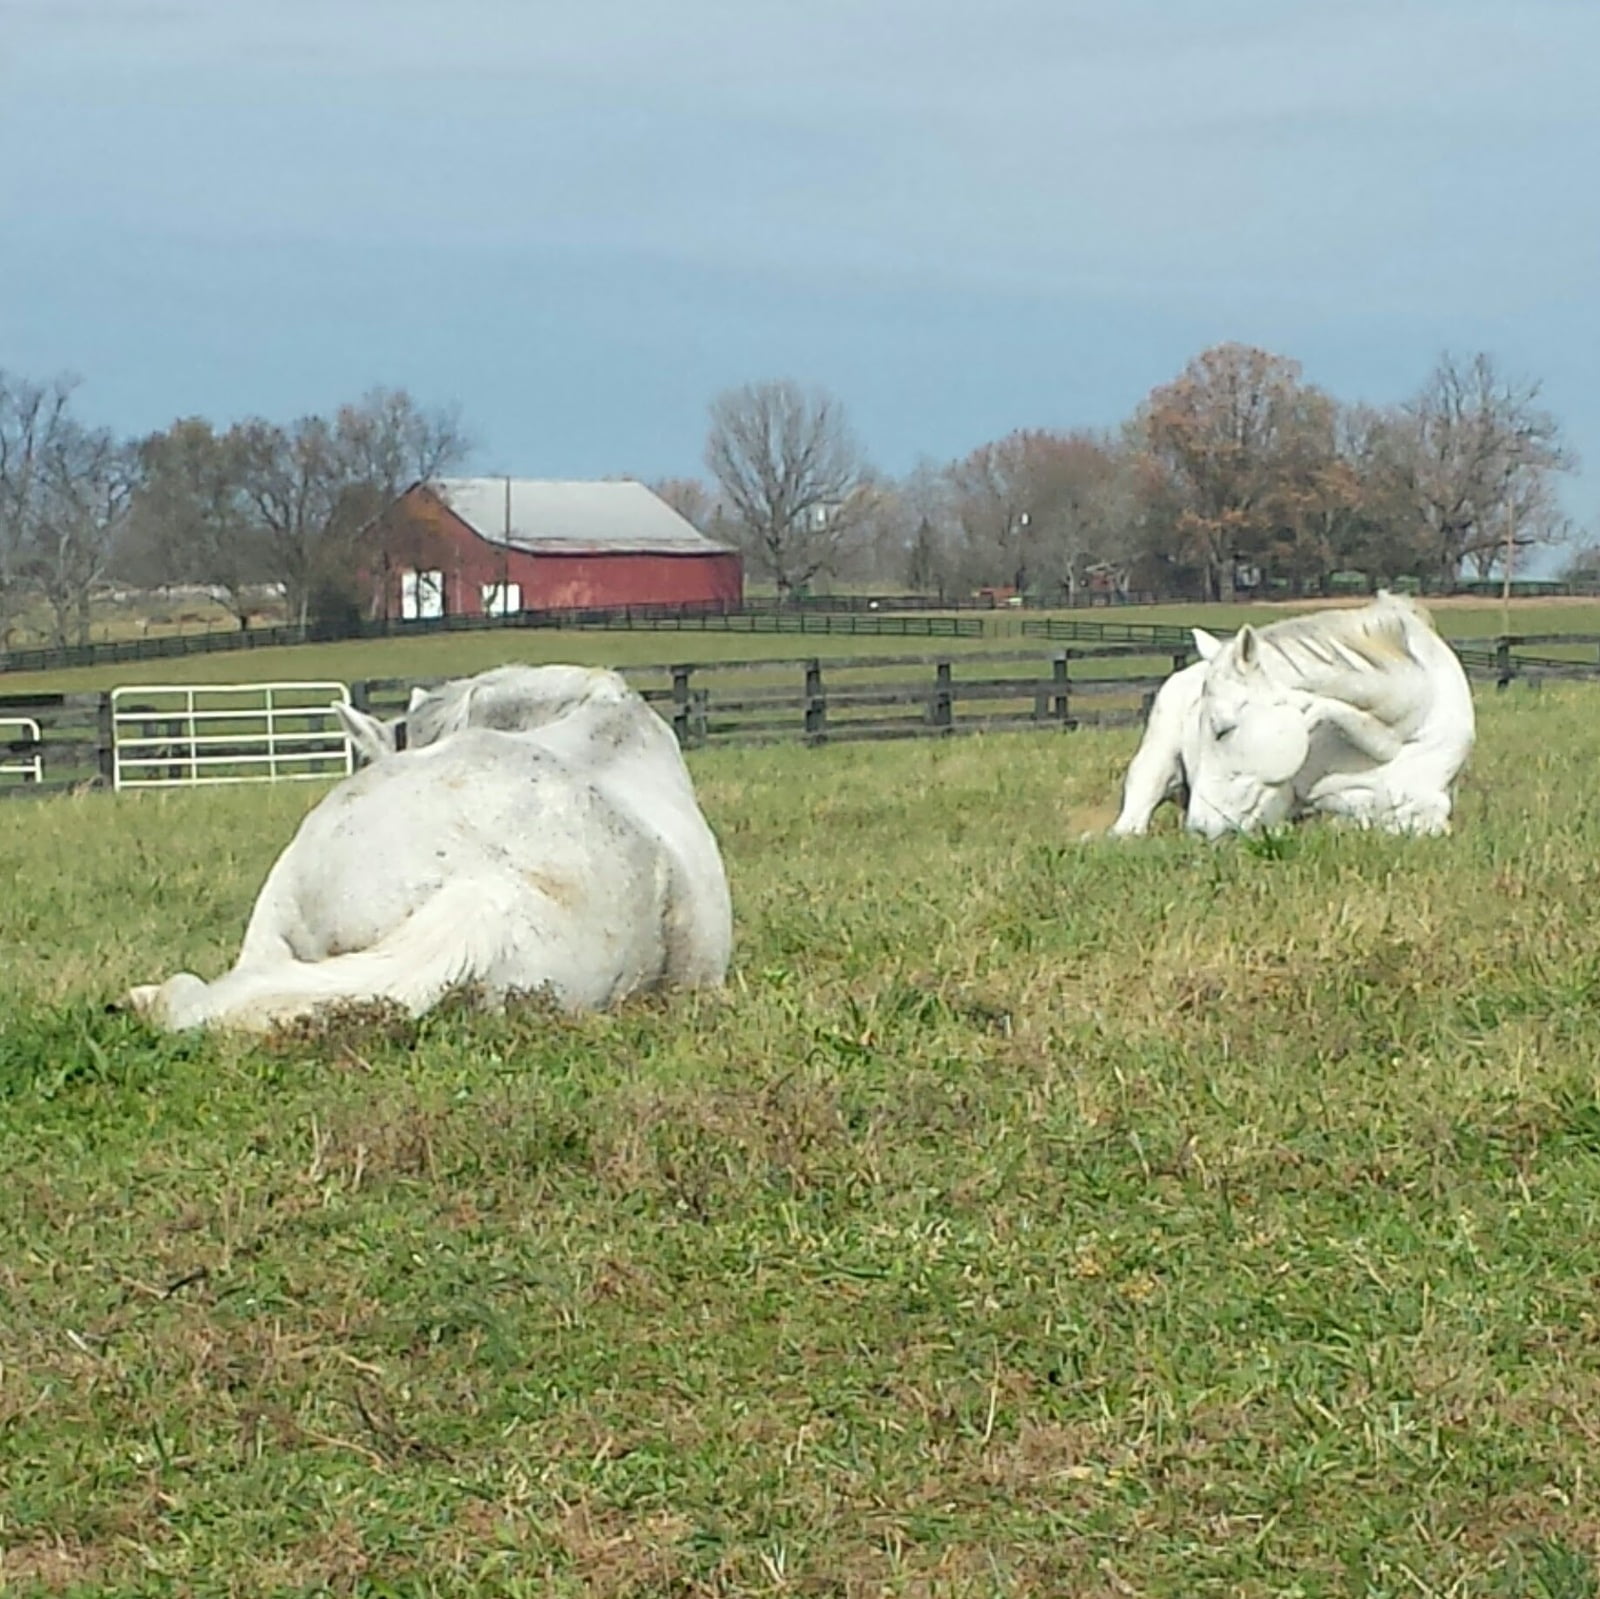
<point>1504,656</point>
<point>1161,635</point>
<point>131,737</point>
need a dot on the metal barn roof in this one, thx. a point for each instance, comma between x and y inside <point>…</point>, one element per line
<point>552,517</point>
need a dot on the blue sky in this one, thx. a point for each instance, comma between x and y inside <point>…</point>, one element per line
<point>580,222</point>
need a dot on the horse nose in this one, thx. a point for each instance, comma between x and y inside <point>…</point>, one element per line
<point>1205,820</point>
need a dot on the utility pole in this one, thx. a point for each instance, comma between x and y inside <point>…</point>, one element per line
<point>1505,563</point>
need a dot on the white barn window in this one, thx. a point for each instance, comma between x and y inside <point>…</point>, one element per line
<point>502,599</point>
<point>421,596</point>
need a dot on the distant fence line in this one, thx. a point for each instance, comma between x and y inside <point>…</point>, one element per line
<point>863,615</point>
<point>869,620</point>
<point>875,615</point>
<point>55,742</point>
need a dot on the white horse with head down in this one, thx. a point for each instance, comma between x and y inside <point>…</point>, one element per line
<point>1364,714</point>
<point>538,831</point>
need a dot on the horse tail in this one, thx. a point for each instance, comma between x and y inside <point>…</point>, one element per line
<point>457,937</point>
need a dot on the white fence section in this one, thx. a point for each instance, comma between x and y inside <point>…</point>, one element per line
<point>30,768</point>
<point>178,737</point>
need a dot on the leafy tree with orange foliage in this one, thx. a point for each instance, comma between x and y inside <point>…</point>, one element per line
<point>1245,451</point>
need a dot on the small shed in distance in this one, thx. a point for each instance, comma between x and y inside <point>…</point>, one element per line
<point>493,546</point>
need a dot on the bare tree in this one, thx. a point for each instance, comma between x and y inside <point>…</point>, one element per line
<point>190,521</point>
<point>318,490</point>
<point>1114,520</point>
<point>793,474</point>
<point>291,481</point>
<point>383,444</point>
<point>1081,521</point>
<point>1530,515</point>
<point>1582,567</point>
<point>690,498</point>
<point>991,495</point>
<point>919,536</point>
<point>88,480</point>
<point>387,441</point>
<point>880,545</point>
<point>1367,523</point>
<point>1045,510</point>
<point>33,418</point>
<point>1481,464</point>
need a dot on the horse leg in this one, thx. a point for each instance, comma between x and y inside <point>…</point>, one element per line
<point>1377,805</point>
<point>1156,772</point>
<point>1154,776</point>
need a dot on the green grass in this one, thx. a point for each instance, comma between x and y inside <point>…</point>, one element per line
<point>1030,1217</point>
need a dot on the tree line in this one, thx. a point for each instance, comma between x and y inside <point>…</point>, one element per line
<point>1237,474</point>
<point>265,515</point>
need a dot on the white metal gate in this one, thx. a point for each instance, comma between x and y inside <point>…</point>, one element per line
<point>30,768</point>
<point>180,736</point>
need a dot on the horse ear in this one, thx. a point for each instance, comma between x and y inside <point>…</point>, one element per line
<point>1245,651</point>
<point>418,695</point>
<point>373,739</point>
<point>1208,644</point>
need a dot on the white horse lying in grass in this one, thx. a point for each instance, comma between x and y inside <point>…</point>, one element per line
<point>539,830</point>
<point>1364,714</point>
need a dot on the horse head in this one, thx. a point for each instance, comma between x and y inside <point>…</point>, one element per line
<point>1250,738</point>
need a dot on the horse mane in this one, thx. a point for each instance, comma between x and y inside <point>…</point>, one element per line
<point>1364,656</point>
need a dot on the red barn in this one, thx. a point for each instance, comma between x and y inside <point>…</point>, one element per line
<point>477,546</point>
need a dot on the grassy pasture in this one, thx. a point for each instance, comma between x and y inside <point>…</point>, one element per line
<point>1031,1217</point>
<point>461,654</point>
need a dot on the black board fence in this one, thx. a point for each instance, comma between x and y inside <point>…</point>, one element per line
<point>1505,657</point>
<point>809,699</point>
<point>835,699</point>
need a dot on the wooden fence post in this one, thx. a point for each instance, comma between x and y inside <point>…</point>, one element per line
<point>361,695</point>
<point>1504,670</point>
<point>105,735</point>
<point>680,704</point>
<point>816,703</point>
<point>943,697</point>
<point>1059,675</point>
<point>1180,660</point>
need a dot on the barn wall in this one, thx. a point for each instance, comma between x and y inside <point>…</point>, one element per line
<point>575,582</point>
<point>422,534</point>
